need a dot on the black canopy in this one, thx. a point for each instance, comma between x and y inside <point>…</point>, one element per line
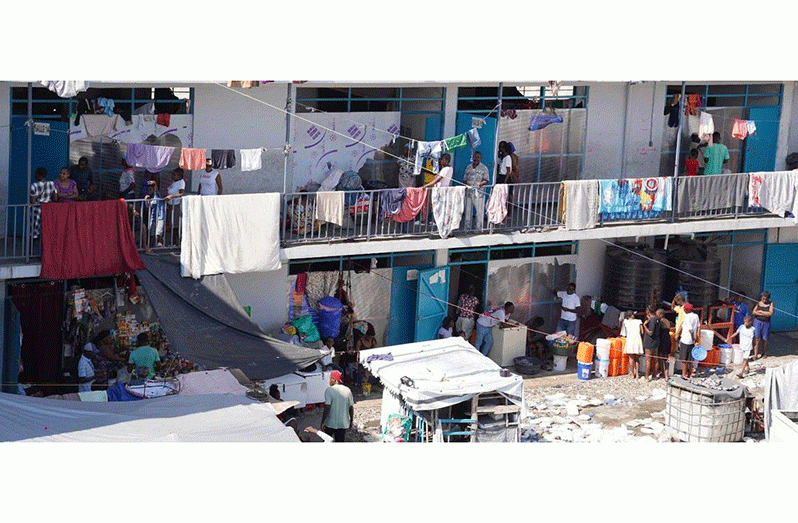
<point>205,322</point>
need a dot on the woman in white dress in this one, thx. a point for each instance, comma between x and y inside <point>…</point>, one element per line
<point>633,330</point>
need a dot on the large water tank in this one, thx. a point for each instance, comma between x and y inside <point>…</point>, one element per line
<point>633,280</point>
<point>698,272</point>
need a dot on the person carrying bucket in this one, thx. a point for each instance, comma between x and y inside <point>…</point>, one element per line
<point>746,333</point>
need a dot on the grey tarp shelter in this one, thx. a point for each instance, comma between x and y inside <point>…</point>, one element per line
<point>205,322</point>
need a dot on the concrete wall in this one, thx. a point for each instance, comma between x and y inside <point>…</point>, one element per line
<point>265,293</point>
<point>604,141</point>
<point>590,268</point>
<point>225,119</point>
<point>5,141</point>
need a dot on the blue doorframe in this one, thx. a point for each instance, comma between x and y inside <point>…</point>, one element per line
<point>760,147</point>
<point>781,280</point>
<point>487,135</point>
<point>432,302</point>
<point>402,327</point>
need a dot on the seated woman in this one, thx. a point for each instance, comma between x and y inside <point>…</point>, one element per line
<point>107,358</point>
<point>66,188</point>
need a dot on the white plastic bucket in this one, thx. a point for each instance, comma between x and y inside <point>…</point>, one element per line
<point>738,354</point>
<point>560,362</point>
<point>603,368</point>
<point>726,355</point>
<point>603,349</point>
<point>707,338</point>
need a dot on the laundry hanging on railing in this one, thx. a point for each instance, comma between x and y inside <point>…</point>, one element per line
<point>330,207</point>
<point>634,198</point>
<point>85,239</point>
<point>540,121</point>
<point>233,234</point>
<point>775,191</point>
<point>223,158</point>
<point>391,202</point>
<point>710,193</point>
<point>581,201</point>
<point>154,158</point>
<point>447,208</point>
<point>414,201</point>
<point>497,204</point>
<point>192,159</point>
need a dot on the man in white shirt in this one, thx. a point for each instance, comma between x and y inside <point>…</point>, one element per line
<point>687,334</point>
<point>506,163</point>
<point>444,176</point>
<point>174,197</point>
<point>485,323</point>
<point>570,305</point>
<point>476,176</point>
<point>86,368</point>
<point>210,183</point>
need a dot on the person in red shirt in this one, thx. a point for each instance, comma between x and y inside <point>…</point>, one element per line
<point>691,164</point>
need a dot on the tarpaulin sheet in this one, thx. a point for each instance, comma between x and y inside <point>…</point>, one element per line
<point>84,239</point>
<point>204,418</point>
<point>444,372</point>
<point>781,391</point>
<point>205,322</point>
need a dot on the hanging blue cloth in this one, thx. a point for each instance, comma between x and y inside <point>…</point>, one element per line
<point>539,121</point>
<point>107,105</point>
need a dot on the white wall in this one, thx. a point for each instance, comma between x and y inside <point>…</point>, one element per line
<point>643,130</point>
<point>265,293</point>
<point>225,119</point>
<point>590,268</point>
<point>604,141</point>
<point>792,128</point>
<point>5,140</point>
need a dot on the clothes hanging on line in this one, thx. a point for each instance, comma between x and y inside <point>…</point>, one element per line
<point>100,124</point>
<point>497,204</point>
<point>223,158</point>
<point>330,207</point>
<point>415,200</point>
<point>163,119</point>
<point>692,105</point>
<point>192,159</point>
<point>740,129</point>
<point>581,204</point>
<point>672,112</point>
<point>251,159</point>
<point>431,150</point>
<point>775,191</point>
<point>635,198</point>
<point>447,208</point>
<point>107,106</point>
<point>706,126</point>
<point>65,88</point>
<point>455,142</point>
<point>474,141</point>
<point>154,158</point>
<point>751,126</point>
<point>541,121</point>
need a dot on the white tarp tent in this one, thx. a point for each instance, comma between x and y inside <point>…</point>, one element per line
<point>444,372</point>
<point>201,418</point>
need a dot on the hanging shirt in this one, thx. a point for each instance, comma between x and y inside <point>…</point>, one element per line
<point>740,129</point>
<point>714,156</point>
<point>706,125</point>
<point>251,159</point>
<point>455,142</point>
<point>208,185</point>
<point>428,150</point>
<point>223,158</point>
<point>192,159</point>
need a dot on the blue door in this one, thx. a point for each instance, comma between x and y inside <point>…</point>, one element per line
<point>487,135</point>
<point>781,280</point>
<point>431,304</point>
<point>404,287</point>
<point>50,152</point>
<point>760,147</point>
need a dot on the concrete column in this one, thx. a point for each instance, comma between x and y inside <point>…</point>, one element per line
<point>441,257</point>
<point>786,138</point>
<point>450,111</point>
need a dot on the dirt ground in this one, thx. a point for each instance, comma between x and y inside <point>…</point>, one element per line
<point>615,404</point>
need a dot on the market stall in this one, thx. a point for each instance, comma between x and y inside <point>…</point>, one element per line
<point>445,390</point>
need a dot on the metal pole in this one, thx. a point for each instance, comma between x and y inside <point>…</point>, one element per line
<point>287,150</point>
<point>496,140</point>
<point>27,234</point>
<point>675,205</point>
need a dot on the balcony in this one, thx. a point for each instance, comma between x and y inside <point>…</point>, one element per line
<point>532,208</point>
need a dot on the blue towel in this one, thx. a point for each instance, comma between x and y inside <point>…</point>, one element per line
<point>539,121</point>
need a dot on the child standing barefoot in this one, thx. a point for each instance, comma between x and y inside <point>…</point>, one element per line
<point>746,333</point>
<point>633,330</point>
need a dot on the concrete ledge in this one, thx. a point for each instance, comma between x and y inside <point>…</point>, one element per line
<point>11,272</point>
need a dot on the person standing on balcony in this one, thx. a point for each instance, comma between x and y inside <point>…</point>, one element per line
<point>210,180</point>
<point>570,306</point>
<point>41,191</point>
<point>66,188</point>
<point>82,175</point>
<point>715,156</point>
<point>174,195</point>
<point>476,176</point>
<point>444,176</point>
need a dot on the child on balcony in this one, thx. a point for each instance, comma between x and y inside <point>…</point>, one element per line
<point>157,213</point>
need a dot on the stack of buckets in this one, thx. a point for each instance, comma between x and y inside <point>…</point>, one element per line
<point>584,360</point>
<point>603,353</point>
<point>619,362</point>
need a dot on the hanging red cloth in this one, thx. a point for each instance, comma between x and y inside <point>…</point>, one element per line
<point>692,105</point>
<point>83,239</point>
<point>163,119</point>
<point>415,201</point>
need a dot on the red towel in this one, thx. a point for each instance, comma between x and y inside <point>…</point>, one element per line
<point>740,129</point>
<point>415,200</point>
<point>83,239</point>
<point>163,119</point>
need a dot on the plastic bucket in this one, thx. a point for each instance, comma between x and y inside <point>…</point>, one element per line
<point>603,368</point>
<point>560,362</point>
<point>583,370</point>
<point>603,349</point>
<point>738,354</point>
<point>707,337</point>
<point>726,354</point>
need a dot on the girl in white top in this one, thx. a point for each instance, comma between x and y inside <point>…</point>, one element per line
<point>746,333</point>
<point>632,328</point>
<point>446,329</point>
